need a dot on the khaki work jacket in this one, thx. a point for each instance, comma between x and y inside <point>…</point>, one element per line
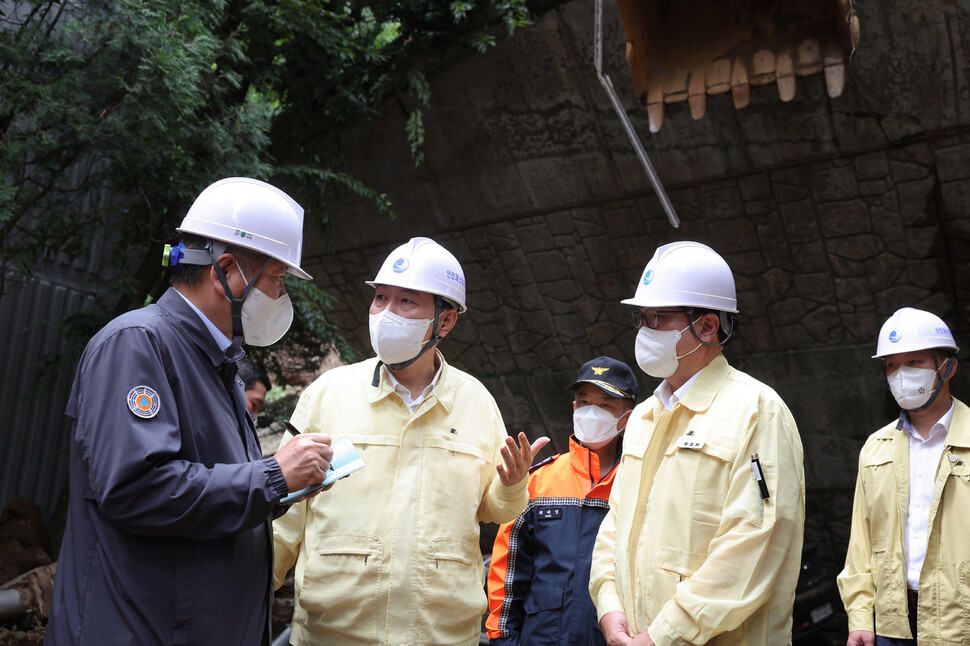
<point>873,582</point>
<point>390,554</point>
<point>691,551</point>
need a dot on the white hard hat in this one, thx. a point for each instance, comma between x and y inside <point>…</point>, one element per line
<point>424,265</point>
<point>250,214</point>
<point>910,329</point>
<point>686,274</point>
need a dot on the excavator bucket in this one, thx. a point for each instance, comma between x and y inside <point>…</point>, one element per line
<point>685,50</point>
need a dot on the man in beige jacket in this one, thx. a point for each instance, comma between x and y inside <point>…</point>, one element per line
<point>907,571</point>
<point>702,543</point>
<point>391,554</point>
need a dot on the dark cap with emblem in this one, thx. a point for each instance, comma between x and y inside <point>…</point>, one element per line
<point>613,377</point>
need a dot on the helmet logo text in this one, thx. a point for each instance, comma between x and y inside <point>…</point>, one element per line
<point>400,265</point>
<point>895,336</point>
<point>455,276</point>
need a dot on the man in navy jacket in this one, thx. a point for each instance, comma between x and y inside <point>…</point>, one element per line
<point>168,537</point>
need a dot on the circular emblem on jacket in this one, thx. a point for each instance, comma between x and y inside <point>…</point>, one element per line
<point>143,401</point>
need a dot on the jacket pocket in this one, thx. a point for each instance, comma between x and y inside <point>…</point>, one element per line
<point>543,610</point>
<point>453,592</point>
<point>341,582</point>
<point>886,579</point>
<point>454,477</point>
<point>671,566</point>
<point>763,509</point>
<point>961,472</point>
<point>873,463</point>
<point>679,563</point>
<point>703,473</point>
<point>879,479</point>
<point>955,618</point>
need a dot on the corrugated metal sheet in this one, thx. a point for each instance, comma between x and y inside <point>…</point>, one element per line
<point>34,444</point>
<point>34,432</point>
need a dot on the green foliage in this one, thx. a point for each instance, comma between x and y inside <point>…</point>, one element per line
<point>420,93</point>
<point>459,10</point>
<point>310,336</point>
<point>325,179</point>
<point>114,114</point>
<point>279,405</point>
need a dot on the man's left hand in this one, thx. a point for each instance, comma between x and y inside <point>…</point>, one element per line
<point>518,459</point>
<point>643,639</point>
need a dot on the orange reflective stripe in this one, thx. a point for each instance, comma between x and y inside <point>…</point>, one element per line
<point>562,477</point>
<point>497,570</point>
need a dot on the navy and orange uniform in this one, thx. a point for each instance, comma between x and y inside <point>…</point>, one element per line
<point>538,579</point>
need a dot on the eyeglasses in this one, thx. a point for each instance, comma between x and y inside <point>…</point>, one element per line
<point>652,318</point>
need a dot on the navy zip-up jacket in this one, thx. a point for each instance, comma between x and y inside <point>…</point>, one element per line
<point>538,579</point>
<point>168,538</point>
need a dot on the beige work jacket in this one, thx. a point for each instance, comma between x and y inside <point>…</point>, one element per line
<point>390,555</point>
<point>690,549</point>
<point>873,582</point>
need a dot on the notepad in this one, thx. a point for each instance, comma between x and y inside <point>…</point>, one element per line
<point>345,461</point>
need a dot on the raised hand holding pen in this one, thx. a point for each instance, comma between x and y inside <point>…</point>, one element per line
<point>304,460</point>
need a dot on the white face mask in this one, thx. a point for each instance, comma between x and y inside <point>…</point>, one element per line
<point>265,320</point>
<point>593,426</point>
<point>912,387</point>
<point>396,339</point>
<point>656,351</point>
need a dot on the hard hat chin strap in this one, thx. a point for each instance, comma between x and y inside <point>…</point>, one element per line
<point>722,318</point>
<point>235,304</point>
<point>430,343</point>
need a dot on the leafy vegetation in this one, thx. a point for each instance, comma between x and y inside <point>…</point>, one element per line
<point>114,114</point>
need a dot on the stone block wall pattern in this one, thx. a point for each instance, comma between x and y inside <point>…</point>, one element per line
<point>832,214</point>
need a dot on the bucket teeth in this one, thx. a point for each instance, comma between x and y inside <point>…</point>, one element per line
<point>692,49</point>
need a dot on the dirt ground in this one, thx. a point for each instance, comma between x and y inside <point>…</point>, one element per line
<point>24,545</point>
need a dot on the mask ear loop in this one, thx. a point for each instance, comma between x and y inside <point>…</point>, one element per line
<point>940,379</point>
<point>722,318</point>
<point>627,414</point>
<point>232,353</point>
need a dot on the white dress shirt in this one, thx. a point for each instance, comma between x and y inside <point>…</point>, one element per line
<point>412,402</point>
<point>669,397</point>
<point>924,459</point>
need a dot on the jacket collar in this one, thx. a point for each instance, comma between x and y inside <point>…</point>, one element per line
<point>583,461</point>
<point>443,391</point>
<point>586,463</point>
<point>959,433</point>
<point>189,322</point>
<point>702,392</point>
